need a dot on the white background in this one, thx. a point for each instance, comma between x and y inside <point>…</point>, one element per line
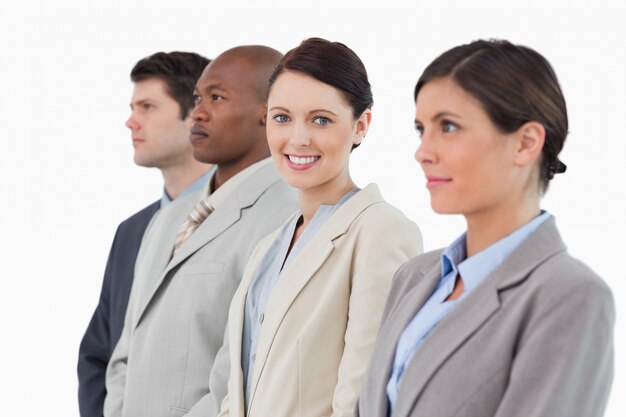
<point>67,177</point>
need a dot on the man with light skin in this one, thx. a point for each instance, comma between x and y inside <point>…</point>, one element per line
<point>166,363</point>
<point>159,123</point>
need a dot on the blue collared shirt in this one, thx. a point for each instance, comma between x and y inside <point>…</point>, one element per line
<point>200,182</point>
<point>473,271</point>
<point>267,276</point>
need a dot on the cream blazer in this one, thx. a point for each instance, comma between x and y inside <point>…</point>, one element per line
<point>323,314</point>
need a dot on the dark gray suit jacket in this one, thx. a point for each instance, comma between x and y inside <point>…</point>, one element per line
<point>107,322</point>
<point>534,339</point>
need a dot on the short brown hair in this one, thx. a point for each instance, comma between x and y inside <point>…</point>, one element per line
<point>178,70</point>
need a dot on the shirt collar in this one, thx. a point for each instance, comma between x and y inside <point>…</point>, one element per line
<point>215,198</point>
<point>477,267</point>
<point>197,185</point>
<point>453,255</point>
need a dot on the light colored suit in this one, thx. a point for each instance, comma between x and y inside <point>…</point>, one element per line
<point>178,310</point>
<point>323,314</point>
<point>534,339</point>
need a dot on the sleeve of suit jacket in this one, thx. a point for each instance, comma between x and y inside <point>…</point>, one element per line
<point>210,404</point>
<point>107,321</point>
<point>563,365</point>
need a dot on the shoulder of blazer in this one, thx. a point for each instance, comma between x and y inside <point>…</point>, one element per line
<point>257,184</point>
<point>411,273</point>
<point>382,214</point>
<point>561,274</point>
<point>141,218</point>
<point>350,211</point>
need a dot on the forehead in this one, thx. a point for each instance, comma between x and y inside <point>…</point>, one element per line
<point>150,88</point>
<point>229,73</point>
<point>296,90</point>
<point>445,95</point>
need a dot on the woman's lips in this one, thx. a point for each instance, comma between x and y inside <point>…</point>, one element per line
<point>432,181</point>
<point>301,162</point>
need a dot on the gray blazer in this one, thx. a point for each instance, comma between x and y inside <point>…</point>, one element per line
<point>178,308</point>
<point>534,339</point>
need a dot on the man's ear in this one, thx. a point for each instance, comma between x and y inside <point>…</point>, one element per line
<point>530,139</point>
<point>362,126</point>
<point>263,118</point>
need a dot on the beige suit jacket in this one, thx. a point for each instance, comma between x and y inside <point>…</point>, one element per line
<point>323,314</point>
<point>534,339</point>
<point>178,308</point>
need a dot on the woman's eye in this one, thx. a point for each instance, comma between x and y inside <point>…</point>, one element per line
<point>322,121</point>
<point>147,106</point>
<point>420,130</point>
<point>281,118</point>
<point>449,127</point>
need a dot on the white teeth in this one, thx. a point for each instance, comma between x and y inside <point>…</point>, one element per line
<point>302,161</point>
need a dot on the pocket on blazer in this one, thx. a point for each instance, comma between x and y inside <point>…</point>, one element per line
<point>177,411</point>
<point>202,268</point>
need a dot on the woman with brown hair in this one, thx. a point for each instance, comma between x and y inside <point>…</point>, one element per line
<point>503,322</point>
<point>304,319</point>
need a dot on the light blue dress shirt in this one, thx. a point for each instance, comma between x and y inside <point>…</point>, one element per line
<point>473,271</point>
<point>266,277</point>
<point>200,182</point>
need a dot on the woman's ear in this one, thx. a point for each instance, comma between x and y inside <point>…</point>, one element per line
<point>362,126</point>
<point>530,139</point>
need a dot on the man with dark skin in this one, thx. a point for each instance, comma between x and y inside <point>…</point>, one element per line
<point>227,94</point>
<point>185,280</point>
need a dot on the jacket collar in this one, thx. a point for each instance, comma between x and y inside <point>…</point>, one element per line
<point>297,274</point>
<point>463,321</point>
<point>220,220</point>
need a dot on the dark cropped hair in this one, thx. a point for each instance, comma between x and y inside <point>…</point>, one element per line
<point>515,85</point>
<point>332,63</point>
<point>179,71</point>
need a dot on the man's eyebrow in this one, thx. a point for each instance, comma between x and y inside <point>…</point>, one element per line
<point>213,87</point>
<point>139,102</point>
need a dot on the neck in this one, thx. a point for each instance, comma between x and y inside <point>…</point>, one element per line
<point>329,193</point>
<point>226,171</point>
<point>486,228</point>
<point>178,178</point>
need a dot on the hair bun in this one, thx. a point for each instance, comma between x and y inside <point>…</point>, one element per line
<point>557,167</point>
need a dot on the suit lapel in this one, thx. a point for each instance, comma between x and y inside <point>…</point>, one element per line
<point>473,312</point>
<point>218,221</point>
<point>224,216</point>
<point>295,277</point>
<point>158,246</point>
<point>236,320</point>
<point>405,309</point>
<point>443,340</point>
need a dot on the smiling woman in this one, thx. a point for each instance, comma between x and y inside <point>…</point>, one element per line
<point>303,321</point>
<point>310,139</point>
